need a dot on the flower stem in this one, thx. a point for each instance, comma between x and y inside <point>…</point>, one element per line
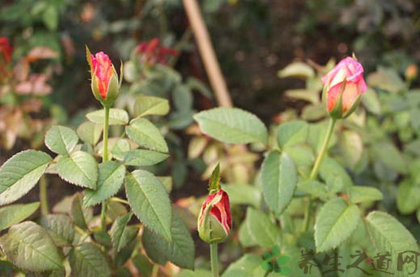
<point>214,260</point>
<point>315,169</point>
<point>105,158</point>
<point>43,196</point>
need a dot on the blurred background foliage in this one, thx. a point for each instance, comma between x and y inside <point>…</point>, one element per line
<point>272,54</point>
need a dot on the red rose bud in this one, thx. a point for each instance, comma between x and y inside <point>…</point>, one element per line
<point>5,50</point>
<point>214,220</point>
<point>343,87</point>
<point>411,72</point>
<point>105,83</point>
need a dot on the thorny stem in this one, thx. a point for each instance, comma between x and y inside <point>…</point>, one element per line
<point>315,169</point>
<point>105,159</point>
<point>214,260</point>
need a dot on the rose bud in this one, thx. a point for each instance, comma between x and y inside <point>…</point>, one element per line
<point>214,220</point>
<point>343,87</point>
<point>411,72</point>
<point>105,83</point>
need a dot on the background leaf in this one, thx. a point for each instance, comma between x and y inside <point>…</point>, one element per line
<point>232,125</point>
<point>141,157</point>
<point>261,229</point>
<point>150,105</point>
<point>59,228</point>
<point>90,132</point>
<point>291,133</point>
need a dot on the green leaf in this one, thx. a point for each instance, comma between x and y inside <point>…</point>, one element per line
<point>314,188</point>
<point>182,98</point>
<point>88,261</point>
<point>146,135</point>
<point>290,133</point>
<point>408,197</point>
<point>167,182</point>
<point>13,214</point>
<point>180,251</point>
<point>80,168</point>
<point>360,194</point>
<point>302,154</point>
<point>149,201</point>
<point>298,70</point>
<point>120,148</point>
<point>245,238</point>
<point>371,101</point>
<point>336,221</point>
<point>247,266</point>
<point>141,157</point>
<point>90,132</point>
<point>387,153</point>
<point>61,140</point>
<point>279,179</point>
<point>389,235</point>
<point>240,194</point>
<point>232,125</point>
<point>20,173</point>
<point>110,180</point>
<point>150,105</point>
<point>351,147</point>
<point>195,273</point>
<point>331,170</point>
<point>59,228</point>
<point>261,229</point>
<point>116,117</point>
<point>50,17</point>
<point>28,246</point>
<point>118,230</point>
<point>81,215</point>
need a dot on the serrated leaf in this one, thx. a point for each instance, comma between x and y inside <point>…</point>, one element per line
<point>88,261</point>
<point>120,148</point>
<point>141,157</point>
<point>116,117</point>
<point>359,194</point>
<point>30,247</point>
<point>149,201</point>
<point>180,251</point>
<point>80,168</point>
<point>290,133</point>
<point>59,228</point>
<point>279,179</point>
<point>261,229</point>
<point>335,223</point>
<point>146,135</point>
<point>20,173</point>
<point>110,180</point>
<point>81,215</point>
<point>118,228</point>
<point>14,214</point>
<point>150,105</point>
<point>232,125</point>
<point>61,140</point>
<point>389,235</point>
<point>90,132</point>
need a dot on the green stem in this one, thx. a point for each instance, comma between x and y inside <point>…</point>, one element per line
<point>214,260</point>
<point>315,169</point>
<point>105,158</point>
<point>43,196</point>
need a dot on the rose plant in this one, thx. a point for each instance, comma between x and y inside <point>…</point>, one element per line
<point>72,238</point>
<point>310,203</point>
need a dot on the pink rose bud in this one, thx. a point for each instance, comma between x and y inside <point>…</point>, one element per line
<point>214,220</point>
<point>343,87</point>
<point>105,84</point>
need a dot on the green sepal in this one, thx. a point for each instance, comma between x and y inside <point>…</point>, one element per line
<point>337,111</point>
<point>214,184</point>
